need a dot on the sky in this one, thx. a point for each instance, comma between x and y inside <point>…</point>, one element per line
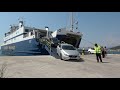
<point>97,27</point>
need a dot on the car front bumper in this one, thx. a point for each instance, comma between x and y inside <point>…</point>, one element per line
<point>68,58</point>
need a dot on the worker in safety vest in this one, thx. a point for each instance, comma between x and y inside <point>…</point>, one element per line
<point>98,52</point>
<point>83,51</point>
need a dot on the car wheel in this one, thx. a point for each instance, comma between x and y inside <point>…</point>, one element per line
<point>89,52</point>
<point>61,56</point>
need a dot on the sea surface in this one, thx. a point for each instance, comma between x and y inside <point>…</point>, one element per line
<point>113,52</point>
<point>0,52</point>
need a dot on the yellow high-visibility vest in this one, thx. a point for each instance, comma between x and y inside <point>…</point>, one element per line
<point>97,49</point>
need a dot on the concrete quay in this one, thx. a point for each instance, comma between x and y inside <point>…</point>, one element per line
<point>49,67</point>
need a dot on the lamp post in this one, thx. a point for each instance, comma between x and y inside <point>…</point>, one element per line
<point>47,28</point>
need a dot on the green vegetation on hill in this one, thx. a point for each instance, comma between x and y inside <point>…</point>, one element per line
<point>115,48</point>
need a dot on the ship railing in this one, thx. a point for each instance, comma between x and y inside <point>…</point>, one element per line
<point>46,42</point>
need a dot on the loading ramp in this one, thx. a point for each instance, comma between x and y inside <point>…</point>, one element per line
<point>46,43</point>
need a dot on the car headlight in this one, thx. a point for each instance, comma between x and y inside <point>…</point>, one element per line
<point>65,54</point>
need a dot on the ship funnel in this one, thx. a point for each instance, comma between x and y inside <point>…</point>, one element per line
<point>46,28</point>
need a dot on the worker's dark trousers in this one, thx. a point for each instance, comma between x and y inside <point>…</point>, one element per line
<point>98,57</point>
<point>103,54</point>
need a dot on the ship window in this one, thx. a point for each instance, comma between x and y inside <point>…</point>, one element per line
<point>5,34</point>
<point>26,30</point>
<point>59,45</point>
<point>25,35</point>
<point>31,33</point>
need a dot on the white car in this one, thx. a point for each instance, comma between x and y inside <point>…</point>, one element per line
<point>91,51</point>
<point>67,51</point>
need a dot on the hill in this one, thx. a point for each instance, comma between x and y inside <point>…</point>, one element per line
<point>115,48</point>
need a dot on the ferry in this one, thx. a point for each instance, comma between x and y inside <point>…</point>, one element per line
<point>22,40</point>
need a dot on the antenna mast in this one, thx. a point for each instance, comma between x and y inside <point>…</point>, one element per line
<point>21,19</point>
<point>72,20</point>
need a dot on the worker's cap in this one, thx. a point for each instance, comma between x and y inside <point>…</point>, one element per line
<point>95,44</point>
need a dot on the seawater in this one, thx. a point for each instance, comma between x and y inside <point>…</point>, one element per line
<point>113,52</point>
<point>0,52</point>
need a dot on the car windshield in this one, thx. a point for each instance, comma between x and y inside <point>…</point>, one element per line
<point>66,47</point>
<point>92,48</point>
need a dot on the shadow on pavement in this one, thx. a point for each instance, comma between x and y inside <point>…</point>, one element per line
<point>57,57</point>
<point>108,57</point>
<point>105,62</point>
<point>74,60</point>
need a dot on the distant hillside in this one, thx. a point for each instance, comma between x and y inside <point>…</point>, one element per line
<point>115,48</point>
